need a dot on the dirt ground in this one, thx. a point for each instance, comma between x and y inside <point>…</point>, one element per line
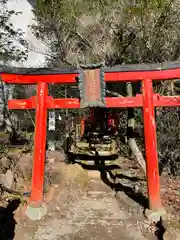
<point>91,201</point>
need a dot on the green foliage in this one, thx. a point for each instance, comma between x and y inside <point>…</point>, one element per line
<point>9,37</point>
<point>82,32</point>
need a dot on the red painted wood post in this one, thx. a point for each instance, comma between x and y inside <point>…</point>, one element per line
<point>39,144</point>
<point>152,169</point>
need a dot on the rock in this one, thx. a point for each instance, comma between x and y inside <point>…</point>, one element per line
<point>172,234</point>
<point>57,208</point>
<point>5,162</point>
<point>36,212</point>
<point>49,214</point>
<point>7,179</point>
<point>155,217</point>
<point>50,194</point>
<point>25,165</point>
<point>51,160</point>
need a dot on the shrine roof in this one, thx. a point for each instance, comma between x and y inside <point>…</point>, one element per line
<point>118,68</point>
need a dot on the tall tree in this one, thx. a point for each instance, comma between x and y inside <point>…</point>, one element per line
<point>79,32</point>
<point>11,40</point>
<point>12,48</point>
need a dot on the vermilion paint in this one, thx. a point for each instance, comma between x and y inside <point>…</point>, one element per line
<point>111,102</point>
<point>39,144</point>
<point>152,171</point>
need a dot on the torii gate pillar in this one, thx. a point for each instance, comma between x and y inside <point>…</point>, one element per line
<point>39,143</point>
<point>37,208</point>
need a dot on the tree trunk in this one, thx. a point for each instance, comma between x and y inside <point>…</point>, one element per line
<point>6,116</point>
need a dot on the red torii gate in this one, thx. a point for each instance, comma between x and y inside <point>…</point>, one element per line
<point>131,73</point>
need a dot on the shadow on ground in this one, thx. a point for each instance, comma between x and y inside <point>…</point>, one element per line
<point>7,221</point>
<point>99,165</point>
<point>159,233</point>
<point>110,175</point>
